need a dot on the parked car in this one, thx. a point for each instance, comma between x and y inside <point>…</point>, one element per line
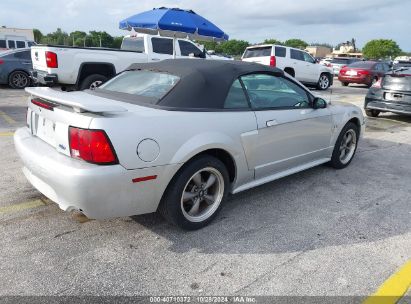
<point>15,67</point>
<point>401,64</point>
<point>86,68</point>
<point>295,62</point>
<point>363,72</point>
<point>392,93</point>
<point>339,62</point>
<point>177,136</point>
<point>327,62</point>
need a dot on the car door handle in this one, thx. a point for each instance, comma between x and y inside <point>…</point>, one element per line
<point>26,63</point>
<point>155,59</point>
<point>271,123</point>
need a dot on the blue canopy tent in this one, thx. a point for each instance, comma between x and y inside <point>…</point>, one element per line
<point>175,23</point>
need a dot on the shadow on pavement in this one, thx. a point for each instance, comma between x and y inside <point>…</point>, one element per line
<point>320,207</point>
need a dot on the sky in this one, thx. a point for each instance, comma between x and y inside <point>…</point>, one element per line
<point>331,21</point>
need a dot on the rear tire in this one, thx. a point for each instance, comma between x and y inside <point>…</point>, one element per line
<point>91,82</point>
<point>19,80</point>
<point>372,113</point>
<point>345,146</point>
<point>344,84</point>
<point>196,193</point>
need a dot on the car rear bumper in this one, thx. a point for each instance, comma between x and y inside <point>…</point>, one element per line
<point>384,106</point>
<point>362,79</point>
<point>97,191</point>
<point>41,77</point>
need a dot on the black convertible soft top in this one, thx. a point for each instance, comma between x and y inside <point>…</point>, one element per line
<point>203,84</point>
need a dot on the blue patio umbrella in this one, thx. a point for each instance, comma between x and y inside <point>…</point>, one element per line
<point>175,23</point>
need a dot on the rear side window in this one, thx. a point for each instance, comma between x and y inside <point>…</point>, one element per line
<point>12,45</point>
<point>162,46</point>
<point>236,98</point>
<point>280,51</point>
<point>135,44</point>
<point>20,44</point>
<point>258,52</point>
<point>3,44</point>
<point>295,54</point>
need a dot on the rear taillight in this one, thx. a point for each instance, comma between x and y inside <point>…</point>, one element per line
<point>1,61</point>
<point>329,65</point>
<point>378,83</point>
<point>273,61</point>
<point>93,146</point>
<point>51,60</point>
<point>43,104</point>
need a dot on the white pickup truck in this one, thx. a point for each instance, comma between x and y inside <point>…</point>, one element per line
<point>85,68</point>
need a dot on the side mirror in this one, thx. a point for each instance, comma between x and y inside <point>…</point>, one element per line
<point>319,103</point>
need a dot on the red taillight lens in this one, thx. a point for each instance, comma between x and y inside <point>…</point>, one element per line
<point>273,61</point>
<point>93,146</point>
<point>1,61</point>
<point>51,60</point>
<point>329,65</point>
<point>43,104</point>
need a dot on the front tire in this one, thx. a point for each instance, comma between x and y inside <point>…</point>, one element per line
<point>19,80</point>
<point>92,82</point>
<point>345,146</point>
<point>195,195</point>
<point>324,82</point>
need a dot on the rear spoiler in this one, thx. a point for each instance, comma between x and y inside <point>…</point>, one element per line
<point>79,101</point>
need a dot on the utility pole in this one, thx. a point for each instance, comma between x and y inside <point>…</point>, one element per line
<point>100,40</point>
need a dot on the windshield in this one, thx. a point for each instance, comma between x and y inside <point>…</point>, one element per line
<point>362,65</point>
<point>258,52</point>
<point>142,83</point>
<point>135,44</point>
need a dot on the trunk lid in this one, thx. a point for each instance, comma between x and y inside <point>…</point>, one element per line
<point>397,88</point>
<point>50,113</point>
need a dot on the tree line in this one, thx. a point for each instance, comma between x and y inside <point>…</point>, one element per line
<point>374,49</point>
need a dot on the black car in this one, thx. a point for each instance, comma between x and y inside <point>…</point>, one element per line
<point>392,93</point>
<point>15,67</point>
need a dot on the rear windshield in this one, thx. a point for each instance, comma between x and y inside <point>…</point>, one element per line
<point>362,64</point>
<point>258,52</point>
<point>142,83</point>
<point>399,81</point>
<point>340,61</point>
<point>135,44</point>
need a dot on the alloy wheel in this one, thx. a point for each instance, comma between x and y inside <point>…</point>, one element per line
<point>202,194</point>
<point>324,82</point>
<point>95,84</point>
<point>20,80</point>
<point>347,146</point>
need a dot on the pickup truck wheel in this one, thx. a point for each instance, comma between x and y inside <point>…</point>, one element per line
<point>323,82</point>
<point>345,146</point>
<point>345,84</point>
<point>195,195</point>
<point>92,82</point>
<point>19,80</point>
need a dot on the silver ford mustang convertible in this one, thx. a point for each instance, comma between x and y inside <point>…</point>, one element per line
<point>178,136</point>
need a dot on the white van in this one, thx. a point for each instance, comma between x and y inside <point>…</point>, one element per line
<point>298,63</point>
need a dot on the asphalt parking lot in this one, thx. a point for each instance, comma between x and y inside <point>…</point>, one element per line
<point>319,232</point>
